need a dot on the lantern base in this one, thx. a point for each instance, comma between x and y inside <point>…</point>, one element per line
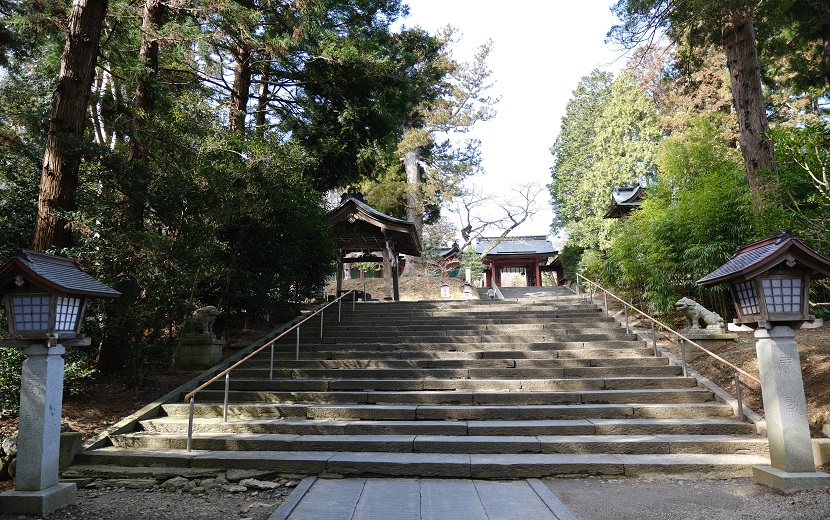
<point>41,502</point>
<point>789,482</point>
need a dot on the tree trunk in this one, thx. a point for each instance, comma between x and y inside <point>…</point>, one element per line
<point>134,185</point>
<point>747,96</point>
<point>241,88</point>
<point>823,8</point>
<point>144,104</point>
<point>262,104</point>
<point>59,176</point>
<point>414,209</point>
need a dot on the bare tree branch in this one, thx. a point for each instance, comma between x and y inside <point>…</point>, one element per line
<point>479,213</point>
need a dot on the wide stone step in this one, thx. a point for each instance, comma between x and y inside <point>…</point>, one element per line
<point>618,444</point>
<point>415,355</point>
<point>490,385</point>
<point>470,339</point>
<point>430,464</point>
<point>390,334</point>
<point>299,426</point>
<point>472,363</point>
<point>467,315</point>
<point>686,395</point>
<point>460,373</point>
<point>562,326</point>
<point>387,412</point>
<point>312,347</point>
<point>414,323</point>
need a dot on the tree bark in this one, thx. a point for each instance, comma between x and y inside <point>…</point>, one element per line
<point>135,187</point>
<point>414,211</point>
<point>62,159</point>
<point>144,104</point>
<point>241,92</point>
<point>747,95</point>
<point>823,8</point>
<point>262,103</point>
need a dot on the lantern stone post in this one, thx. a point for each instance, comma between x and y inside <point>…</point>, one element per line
<point>770,285</point>
<point>45,296</point>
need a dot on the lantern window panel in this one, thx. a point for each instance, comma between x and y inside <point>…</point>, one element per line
<point>31,313</point>
<point>747,298</point>
<point>66,314</point>
<point>783,295</point>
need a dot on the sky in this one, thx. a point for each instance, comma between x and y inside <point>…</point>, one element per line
<point>541,50</point>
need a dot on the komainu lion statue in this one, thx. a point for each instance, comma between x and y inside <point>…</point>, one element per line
<point>204,318</point>
<point>696,313</point>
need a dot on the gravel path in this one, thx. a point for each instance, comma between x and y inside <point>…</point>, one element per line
<point>734,499</point>
<point>587,498</point>
<point>113,500</point>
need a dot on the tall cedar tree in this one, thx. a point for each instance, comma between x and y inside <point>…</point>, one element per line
<point>59,177</point>
<point>729,23</point>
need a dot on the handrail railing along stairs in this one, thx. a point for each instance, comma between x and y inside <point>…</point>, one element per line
<point>190,398</point>
<point>681,338</point>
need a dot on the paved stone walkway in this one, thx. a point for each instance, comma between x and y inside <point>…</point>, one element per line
<point>421,499</point>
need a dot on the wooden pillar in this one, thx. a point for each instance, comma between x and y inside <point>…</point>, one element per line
<point>387,276</point>
<point>393,265</point>
<point>339,272</point>
<point>538,274</point>
<point>395,285</point>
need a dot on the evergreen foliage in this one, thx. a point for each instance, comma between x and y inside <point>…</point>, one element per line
<point>210,138</point>
<point>608,139</point>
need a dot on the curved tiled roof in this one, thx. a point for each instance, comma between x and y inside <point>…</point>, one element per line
<point>527,245</point>
<point>751,259</point>
<point>381,227</point>
<point>54,272</point>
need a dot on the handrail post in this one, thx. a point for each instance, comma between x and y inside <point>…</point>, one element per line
<point>298,343</point>
<point>354,298</point>
<point>654,338</point>
<point>321,322</point>
<point>607,312</point>
<point>190,423</point>
<point>683,357</point>
<point>227,392</point>
<point>271,371</point>
<point>591,297</point>
<point>364,292</point>
<point>577,285</point>
<point>339,305</point>
<point>625,311</point>
<point>739,396</point>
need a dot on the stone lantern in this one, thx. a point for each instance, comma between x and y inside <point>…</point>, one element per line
<point>45,298</point>
<point>770,284</point>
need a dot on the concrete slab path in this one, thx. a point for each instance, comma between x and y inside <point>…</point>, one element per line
<point>549,499</point>
<point>421,499</point>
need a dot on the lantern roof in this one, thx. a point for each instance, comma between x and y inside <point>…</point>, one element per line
<point>753,259</point>
<point>53,273</point>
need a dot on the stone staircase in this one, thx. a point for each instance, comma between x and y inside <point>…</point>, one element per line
<point>481,389</point>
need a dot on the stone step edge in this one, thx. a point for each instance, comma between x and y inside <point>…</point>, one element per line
<point>419,443</point>
<point>409,407</point>
<point>440,464</point>
<point>592,394</point>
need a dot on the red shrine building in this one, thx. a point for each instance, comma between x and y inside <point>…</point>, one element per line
<point>528,256</point>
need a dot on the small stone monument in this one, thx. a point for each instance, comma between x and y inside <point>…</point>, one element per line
<point>445,290</point>
<point>704,327</point>
<point>200,349</point>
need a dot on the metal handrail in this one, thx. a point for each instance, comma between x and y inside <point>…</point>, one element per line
<point>682,339</point>
<point>190,398</point>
